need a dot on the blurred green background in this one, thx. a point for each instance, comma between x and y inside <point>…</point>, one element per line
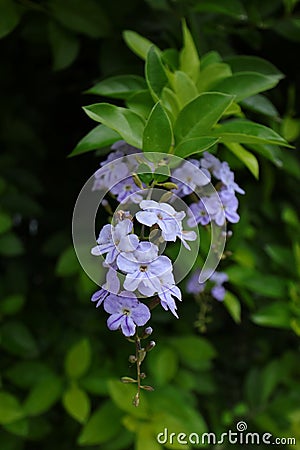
<point>60,366</point>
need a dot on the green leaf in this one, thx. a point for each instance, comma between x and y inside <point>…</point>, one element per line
<point>277,315</point>
<point>64,46</point>
<point>18,340</point>
<point>77,403</point>
<point>164,365</point>
<point>270,152</point>
<point>155,73</point>
<point>78,359</point>
<point>102,426</point>
<point>246,157</point>
<point>12,304</point>
<point>11,245</point>
<point>123,395</point>
<point>290,128</point>
<point>260,104</point>
<point>146,439</point>
<point>20,427</point>
<point>43,396</point>
<point>183,86</point>
<point>126,123</point>
<point>138,44</point>
<point>5,222</point>
<point>192,146</point>
<point>209,58</point>
<point>189,58</point>
<point>10,408</point>
<point>9,17</point>
<point>162,173</point>
<point>170,101</point>
<point>247,132</point>
<point>232,8</point>
<point>25,374</point>
<point>158,135</point>
<point>67,264</point>
<point>245,63</point>
<point>245,84</point>
<point>98,137</point>
<point>83,17</point>
<point>120,86</point>
<point>194,352</point>
<point>233,306</point>
<point>141,103</point>
<point>201,114</point>
<point>212,74</point>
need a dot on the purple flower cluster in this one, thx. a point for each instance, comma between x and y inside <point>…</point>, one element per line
<point>216,282</point>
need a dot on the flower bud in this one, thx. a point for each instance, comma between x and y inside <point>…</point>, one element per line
<point>150,346</point>
<point>148,331</point>
<point>132,359</point>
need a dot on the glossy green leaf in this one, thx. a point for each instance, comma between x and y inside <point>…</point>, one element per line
<point>189,58</point>
<point>194,352</point>
<point>103,425</point>
<point>183,86</point>
<point>271,152</point>
<point>126,123</point>
<point>164,365</point>
<point>170,102</point>
<point>245,84</point>
<point>43,396</point>
<point>141,103</point>
<point>17,339</point>
<point>246,63</point>
<point>209,58</point>
<point>78,359</point>
<point>247,132</point>
<point>232,8</point>
<point>155,73</point>
<point>10,408</point>
<point>67,264</point>
<point>11,245</point>
<point>98,137</point>
<point>64,46</point>
<point>120,86</point>
<point>76,403</point>
<point>123,395</point>
<point>5,222</point>
<point>260,104</point>
<point>9,17</point>
<point>138,44</point>
<point>246,157</point>
<point>158,134</point>
<point>86,17</point>
<point>200,115</point>
<point>212,74</point>
<point>277,315</point>
<point>193,146</point>
<point>233,306</point>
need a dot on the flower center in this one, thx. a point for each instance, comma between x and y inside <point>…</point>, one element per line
<point>126,312</point>
<point>143,268</point>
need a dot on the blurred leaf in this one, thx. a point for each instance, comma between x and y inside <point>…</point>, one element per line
<point>123,395</point>
<point>290,128</point>
<point>277,315</point>
<point>212,74</point>
<point>78,359</point>
<point>43,396</point>
<point>200,115</point>
<point>120,86</point>
<point>157,136</point>
<point>67,264</point>
<point>64,46</point>
<point>77,403</point>
<point>289,28</point>
<point>271,152</point>
<point>103,425</point>
<point>246,157</point>
<point>95,383</point>
<point>25,374</point>
<point>20,427</point>
<point>164,365</point>
<point>145,438</point>
<point>18,340</point>
<point>270,377</point>
<point>233,306</point>
<point>86,17</point>
<point>98,137</point>
<point>11,304</point>
<point>9,17</point>
<point>245,84</point>
<point>246,63</point>
<point>247,132</point>
<point>138,44</point>
<point>192,146</point>
<point>194,352</point>
<point>5,222</point>
<point>126,123</point>
<point>11,245</point>
<point>10,408</point>
<point>281,255</point>
<point>155,73</point>
<point>189,58</point>
<point>232,8</point>
<point>260,104</point>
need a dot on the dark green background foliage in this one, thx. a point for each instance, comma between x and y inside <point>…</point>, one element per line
<point>60,366</point>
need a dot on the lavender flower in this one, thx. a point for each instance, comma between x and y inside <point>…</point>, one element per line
<point>193,286</point>
<point>198,214</point>
<point>112,285</point>
<point>115,239</point>
<point>168,220</point>
<point>211,163</point>
<point>112,170</point>
<point>126,312</point>
<point>218,291</point>
<point>167,292</point>
<point>227,177</point>
<point>125,190</point>
<point>143,268</point>
<point>188,176</point>
<point>223,207</point>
